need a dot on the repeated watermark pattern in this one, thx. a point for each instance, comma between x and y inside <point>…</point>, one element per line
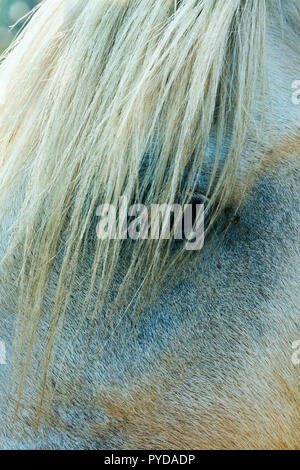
<point>160,221</point>
<point>296,354</point>
<point>2,353</point>
<point>296,94</point>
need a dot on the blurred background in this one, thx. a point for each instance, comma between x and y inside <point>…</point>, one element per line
<point>10,12</point>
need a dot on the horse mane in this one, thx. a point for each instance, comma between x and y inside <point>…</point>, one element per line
<point>98,93</point>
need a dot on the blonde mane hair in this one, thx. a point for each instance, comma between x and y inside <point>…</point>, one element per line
<point>106,98</point>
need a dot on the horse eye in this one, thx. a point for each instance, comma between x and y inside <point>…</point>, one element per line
<point>200,198</point>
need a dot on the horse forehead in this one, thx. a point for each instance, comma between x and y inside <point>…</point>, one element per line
<point>232,301</point>
<point>221,323</point>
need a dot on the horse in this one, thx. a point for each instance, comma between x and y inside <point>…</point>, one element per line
<point>142,344</point>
